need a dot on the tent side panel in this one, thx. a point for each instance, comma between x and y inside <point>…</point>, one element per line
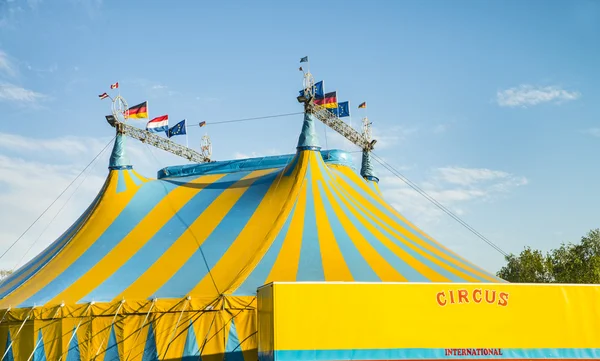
<point>266,323</point>
<point>403,321</point>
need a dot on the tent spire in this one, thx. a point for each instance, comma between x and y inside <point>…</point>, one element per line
<point>308,137</point>
<point>118,158</point>
<point>366,168</point>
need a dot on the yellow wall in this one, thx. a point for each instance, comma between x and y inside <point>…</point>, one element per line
<point>338,316</point>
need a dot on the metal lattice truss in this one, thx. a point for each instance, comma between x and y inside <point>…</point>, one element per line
<point>159,142</point>
<point>331,120</point>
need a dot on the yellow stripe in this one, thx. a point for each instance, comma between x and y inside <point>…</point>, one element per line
<point>135,240</point>
<point>286,264</point>
<point>232,268</point>
<point>129,183</point>
<point>44,259</point>
<point>189,242</point>
<point>334,265</point>
<point>139,176</point>
<point>378,264</point>
<point>398,251</point>
<point>385,218</point>
<point>362,184</point>
<point>366,208</point>
<point>109,207</point>
<point>285,189</point>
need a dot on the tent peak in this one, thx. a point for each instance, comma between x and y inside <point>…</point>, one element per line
<point>118,157</point>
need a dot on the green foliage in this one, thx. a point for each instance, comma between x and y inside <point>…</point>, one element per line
<point>570,263</point>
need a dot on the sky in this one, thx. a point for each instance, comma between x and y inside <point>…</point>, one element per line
<point>490,107</point>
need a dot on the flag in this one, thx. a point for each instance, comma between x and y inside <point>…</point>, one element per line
<point>103,95</point>
<point>343,109</point>
<point>139,111</point>
<point>158,124</point>
<point>177,129</point>
<point>115,85</point>
<point>362,105</point>
<point>300,68</point>
<point>328,101</point>
<point>304,60</point>
<point>317,90</point>
<point>203,123</point>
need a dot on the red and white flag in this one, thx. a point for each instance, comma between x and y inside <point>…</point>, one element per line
<point>115,85</point>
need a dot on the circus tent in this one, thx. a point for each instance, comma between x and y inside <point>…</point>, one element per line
<point>168,268</point>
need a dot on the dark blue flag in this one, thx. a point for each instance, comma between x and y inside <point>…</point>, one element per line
<point>304,59</point>
<point>317,90</point>
<point>177,129</point>
<point>343,109</point>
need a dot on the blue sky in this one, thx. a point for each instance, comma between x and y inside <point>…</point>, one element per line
<point>491,107</point>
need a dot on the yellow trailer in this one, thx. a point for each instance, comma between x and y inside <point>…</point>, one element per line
<point>427,321</point>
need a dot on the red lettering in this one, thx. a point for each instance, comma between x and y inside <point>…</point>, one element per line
<point>486,352</point>
<point>503,299</point>
<point>475,293</point>
<point>439,299</point>
<point>487,298</point>
<point>463,296</point>
<point>451,297</point>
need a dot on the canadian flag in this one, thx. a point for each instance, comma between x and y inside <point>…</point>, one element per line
<point>115,85</point>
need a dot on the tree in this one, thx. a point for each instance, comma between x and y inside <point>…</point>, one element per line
<point>531,266</point>
<point>570,263</point>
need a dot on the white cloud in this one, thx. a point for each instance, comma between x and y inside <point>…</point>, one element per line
<point>16,93</point>
<point>525,95</point>
<point>33,172</point>
<point>6,65</point>
<point>263,153</point>
<point>593,132</point>
<point>440,128</point>
<point>470,176</point>
<point>69,145</point>
<point>453,187</point>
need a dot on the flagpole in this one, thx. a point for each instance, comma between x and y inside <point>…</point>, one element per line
<point>186,135</point>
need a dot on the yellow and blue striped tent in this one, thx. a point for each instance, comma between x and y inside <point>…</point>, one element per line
<point>168,268</point>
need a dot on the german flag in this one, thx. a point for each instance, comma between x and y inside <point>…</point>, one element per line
<point>139,111</point>
<point>362,105</point>
<point>328,101</point>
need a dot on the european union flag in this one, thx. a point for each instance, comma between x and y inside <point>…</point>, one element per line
<point>317,90</point>
<point>343,109</point>
<point>177,129</point>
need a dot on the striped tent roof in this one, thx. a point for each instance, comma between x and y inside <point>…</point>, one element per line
<point>230,227</point>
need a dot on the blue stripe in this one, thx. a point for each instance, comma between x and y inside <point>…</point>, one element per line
<point>135,179</point>
<point>121,186</point>
<point>218,242</point>
<point>432,354</point>
<point>160,242</point>
<point>384,210</point>
<point>260,273</point>
<point>143,202</point>
<point>310,266</point>
<point>397,263</point>
<point>293,165</point>
<point>396,236</point>
<point>359,267</point>
<point>403,246</point>
<point>33,266</point>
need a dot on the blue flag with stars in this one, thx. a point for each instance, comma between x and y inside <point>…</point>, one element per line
<point>343,109</point>
<point>317,90</point>
<point>177,129</point>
